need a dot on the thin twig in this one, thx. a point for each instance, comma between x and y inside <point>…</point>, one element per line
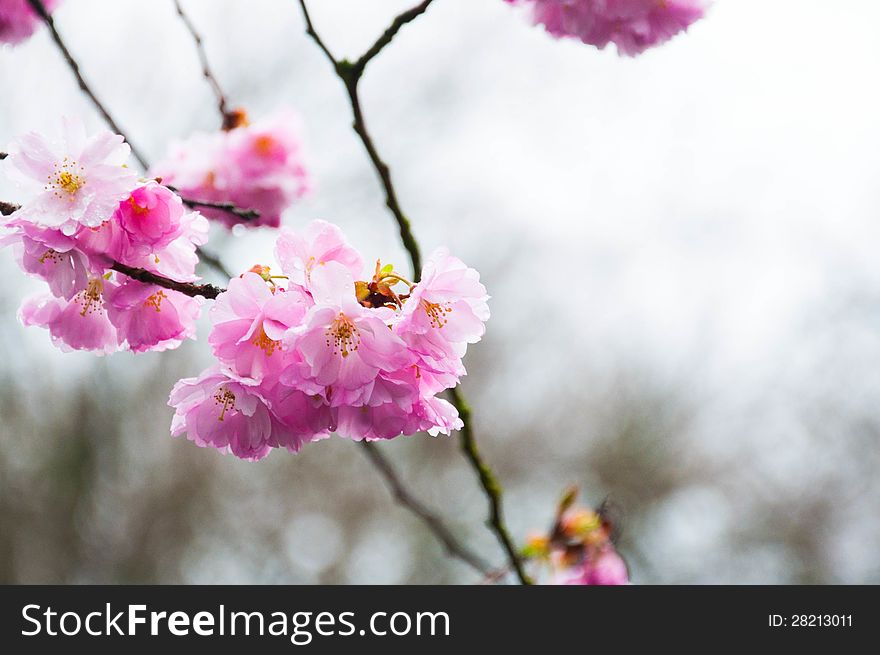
<point>350,74</point>
<point>431,520</point>
<point>74,67</point>
<point>404,18</point>
<point>238,212</point>
<point>225,115</point>
<point>489,483</point>
<point>243,214</point>
<point>213,261</point>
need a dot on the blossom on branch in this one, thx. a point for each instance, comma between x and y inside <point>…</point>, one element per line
<point>632,25</point>
<point>325,351</point>
<point>256,166</point>
<point>91,213</point>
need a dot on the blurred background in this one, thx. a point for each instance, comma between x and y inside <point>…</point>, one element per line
<point>681,250</point>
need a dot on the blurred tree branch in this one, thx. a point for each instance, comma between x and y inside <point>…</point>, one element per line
<point>350,74</point>
<point>83,85</point>
<point>453,546</point>
<point>227,117</point>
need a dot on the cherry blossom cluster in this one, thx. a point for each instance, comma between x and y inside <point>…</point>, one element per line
<point>579,549</point>
<point>253,165</point>
<point>18,20</point>
<point>632,25</point>
<point>86,212</point>
<point>316,349</point>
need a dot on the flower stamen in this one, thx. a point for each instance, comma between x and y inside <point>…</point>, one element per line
<point>90,297</point>
<point>343,336</point>
<point>226,399</point>
<point>437,314</point>
<point>266,344</point>
<point>155,301</point>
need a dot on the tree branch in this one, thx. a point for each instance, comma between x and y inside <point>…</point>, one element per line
<point>389,34</point>
<point>238,212</point>
<point>350,74</point>
<point>142,275</point>
<point>432,521</point>
<point>7,208</point>
<point>208,291</point>
<point>74,67</point>
<point>226,116</point>
<point>243,214</point>
<point>489,483</point>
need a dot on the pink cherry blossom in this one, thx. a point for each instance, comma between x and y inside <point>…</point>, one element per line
<point>80,323</point>
<point>445,311</point>
<point>217,411</point>
<point>151,216</point>
<point>50,255</point>
<point>632,25</point>
<point>250,320</point>
<point>79,180</point>
<point>604,568</point>
<point>305,417</point>
<point>18,20</point>
<point>343,345</point>
<point>255,166</point>
<point>320,242</point>
<point>148,317</point>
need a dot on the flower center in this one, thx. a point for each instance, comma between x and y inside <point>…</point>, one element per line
<point>136,208</point>
<point>155,301</point>
<point>266,344</point>
<point>226,399</point>
<point>343,336</point>
<point>437,314</point>
<point>264,145</point>
<point>50,256</point>
<point>90,297</point>
<point>67,178</point>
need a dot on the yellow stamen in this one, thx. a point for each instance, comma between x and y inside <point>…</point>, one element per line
<point>67,178</point>
<point>343,336</point>
<point>155,301</point>
<point>438,314</point>
<point>90,297</point>
<point>266,344</point>
<point>226,399</point>
<point>50,256</point>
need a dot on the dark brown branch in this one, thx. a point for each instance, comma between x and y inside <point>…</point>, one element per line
<point>350,74</point>
<point>238,212</point>
<point>432,521</point>
<point>3,156</point>
<point>7,208</point>
<point>226,116</point>
<point>389,34</point>
<point>142,275</point>
<point>208,291</point>
<point>74,67</point>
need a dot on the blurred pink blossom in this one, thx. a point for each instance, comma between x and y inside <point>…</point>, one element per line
<point>632,25</point>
